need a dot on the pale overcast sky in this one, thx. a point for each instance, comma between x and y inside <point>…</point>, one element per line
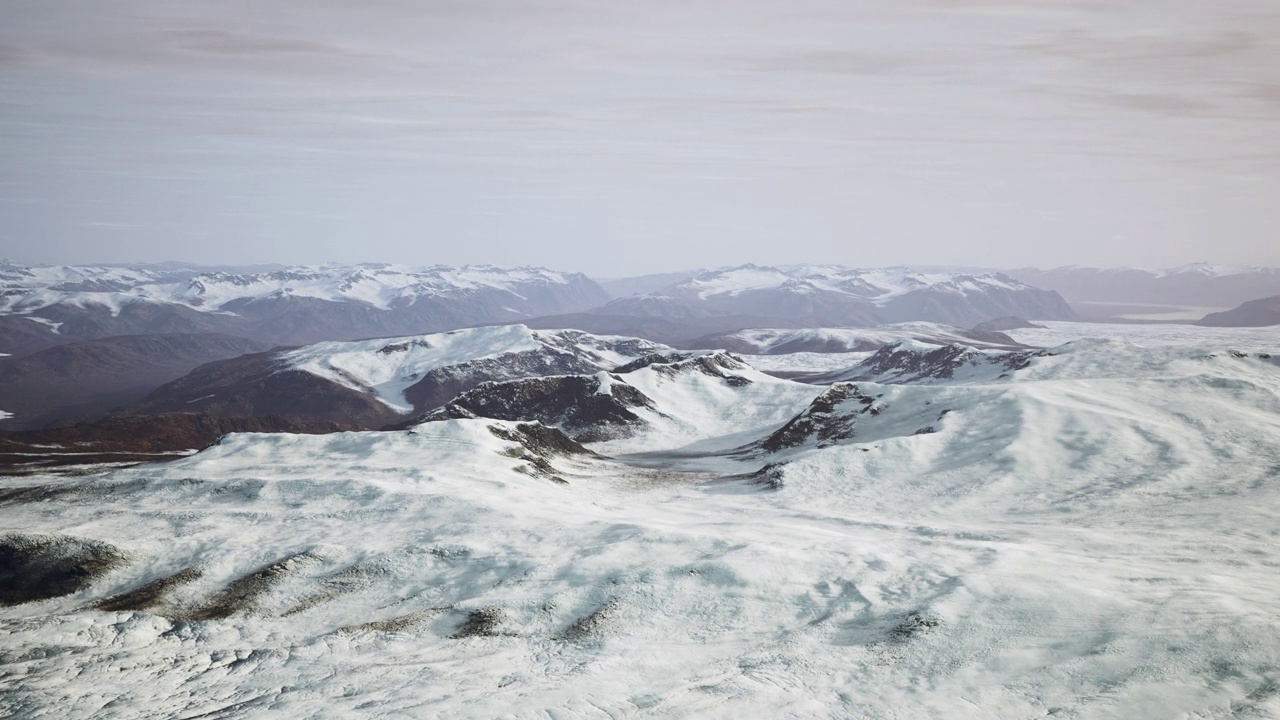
<point>619,138</point>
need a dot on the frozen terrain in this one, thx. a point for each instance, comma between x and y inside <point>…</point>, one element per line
<point>1095,534</point>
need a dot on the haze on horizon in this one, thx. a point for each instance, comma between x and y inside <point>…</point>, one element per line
<point>628,138</point>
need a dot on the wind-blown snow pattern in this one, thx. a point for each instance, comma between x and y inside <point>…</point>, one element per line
<point>1093,536</point>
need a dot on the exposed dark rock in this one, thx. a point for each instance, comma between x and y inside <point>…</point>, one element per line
<point>241,595</point>
<point>150,595</point>
<point>395,624</point>
<point>483,622</point>
<point>440,385</point>
<point>403,347</point>
<point>349,580</point>
<point>40,567</point>
<point>770,476</point>
<point>652,359</point>
<point>573,403</point>
<point>541,439</point>
<point>904,364</point>
<point>911,626</point>
<point>822,420</point>
<point>592,623</point>
<point>721,365</point>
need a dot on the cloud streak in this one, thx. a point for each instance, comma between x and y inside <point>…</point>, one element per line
<point>878,132</point>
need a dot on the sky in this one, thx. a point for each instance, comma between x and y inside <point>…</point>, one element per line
<point>620,138</point>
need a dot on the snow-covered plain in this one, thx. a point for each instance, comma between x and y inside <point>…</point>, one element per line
<point>1096,537</point>
<point>1247,338</point>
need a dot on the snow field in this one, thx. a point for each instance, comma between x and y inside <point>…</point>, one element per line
<point>1094,538</point>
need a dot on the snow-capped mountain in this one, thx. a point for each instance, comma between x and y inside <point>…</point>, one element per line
<point>1093,536</point>
<point>287,306</point>
<point>834,295</point>
<point>1201,284</point>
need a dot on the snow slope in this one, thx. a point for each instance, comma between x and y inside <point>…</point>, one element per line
<point>1095,537</point>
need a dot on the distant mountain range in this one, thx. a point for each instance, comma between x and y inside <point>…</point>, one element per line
<point>836,296</point>
<point>77,342</point>
<point>1201,284</point>
<point>1263,312</point>
<point>50,305</point>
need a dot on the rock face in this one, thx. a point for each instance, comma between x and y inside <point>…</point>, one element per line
<point>829,295</point>
<point>606,405</point>
<point>589,408</point>
<point>1255,313</point>
<point>45,306</point>
<point>825,422</point>
<point>848,413</point>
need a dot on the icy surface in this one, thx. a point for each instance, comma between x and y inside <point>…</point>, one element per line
<point>1056,333</point>
<point>1096,537</point>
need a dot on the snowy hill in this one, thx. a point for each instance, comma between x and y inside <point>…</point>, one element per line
<point>655,403</point>
<point>377,382</point>
<point>1093,536</point>
<point>833,295</point>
